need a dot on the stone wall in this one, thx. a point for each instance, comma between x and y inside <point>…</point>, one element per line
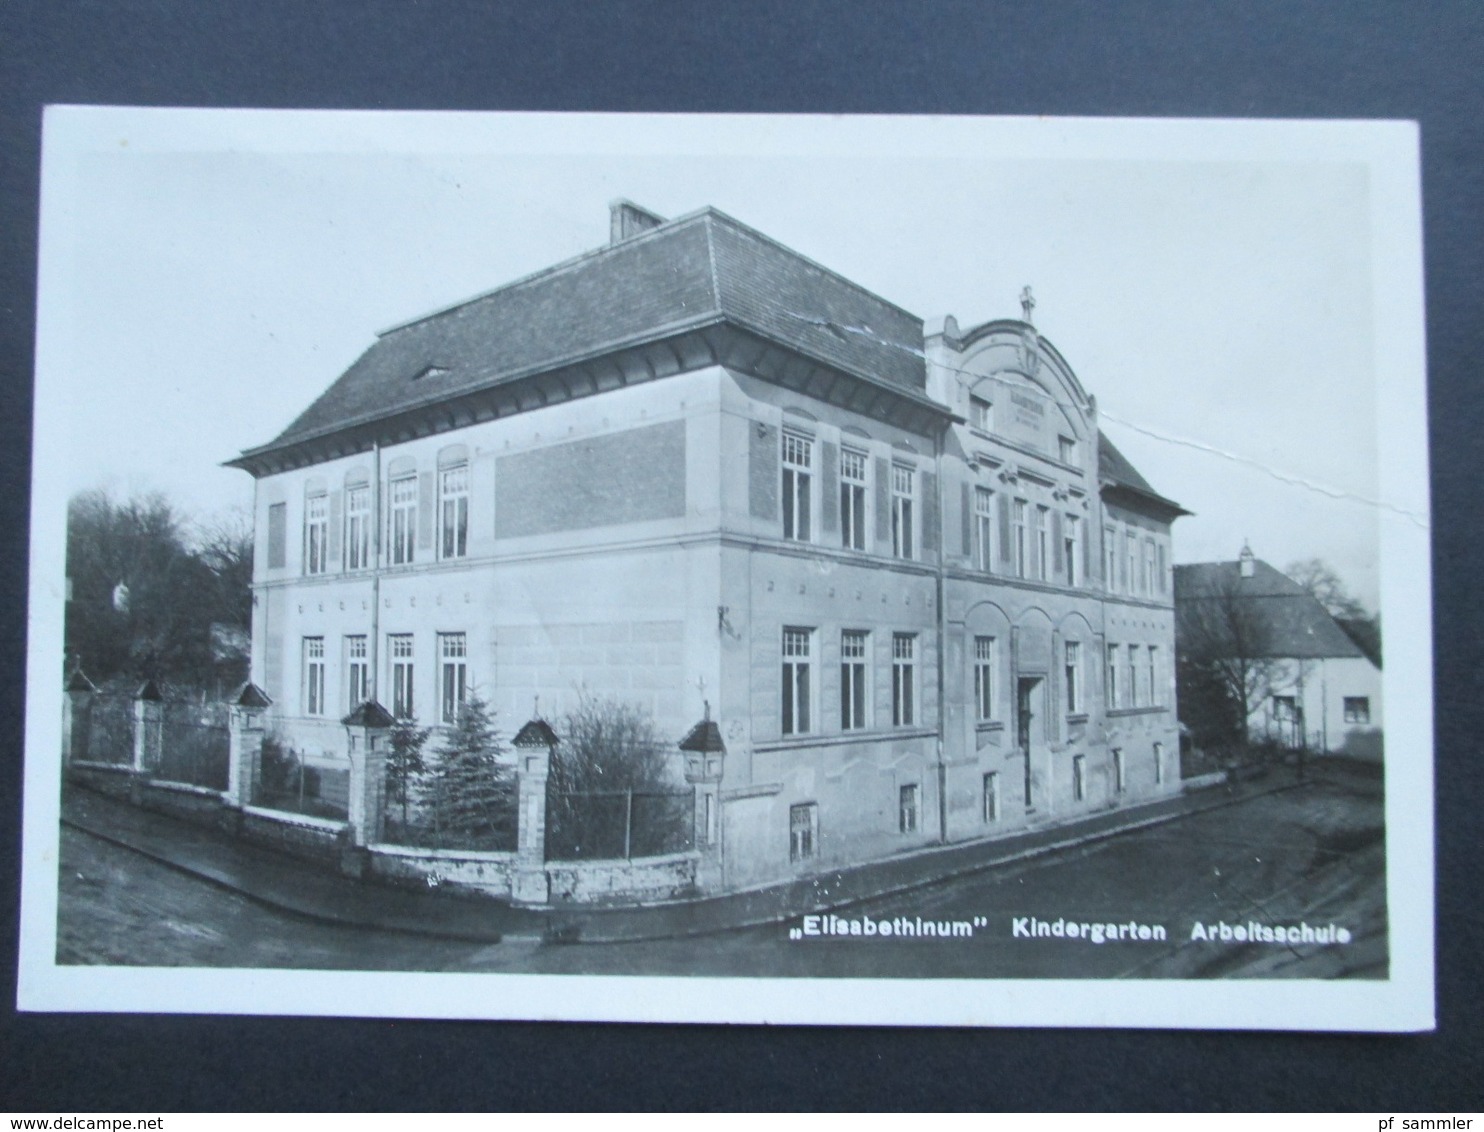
<point>290,833</point>
<point>619,881</point>
<point>488,873</point>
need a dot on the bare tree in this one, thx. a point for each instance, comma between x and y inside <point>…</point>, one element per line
<point>1319,579</point>
<point>1224,650</point>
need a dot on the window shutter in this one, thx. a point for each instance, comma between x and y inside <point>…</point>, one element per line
<point>1120,549</point>
<point>334,540</point>
<point>426,503</point>
<point>763,472</point>
<point>882,486</point>
<point>1087,558</point>
<point>829,487</point>
<point>966,501</point>
<point>1005,547</point>
<point>1057,550</point>
<point>278,519</point>
<point>931,539</point>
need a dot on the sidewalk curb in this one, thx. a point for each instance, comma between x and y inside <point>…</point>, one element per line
<point>920,883</point>
<point>586,925</point>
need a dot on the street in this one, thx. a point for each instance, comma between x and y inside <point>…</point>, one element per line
<point>1312,856</point>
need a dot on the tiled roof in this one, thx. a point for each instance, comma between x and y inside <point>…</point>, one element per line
<point>536,733</point>
<point>1114,468</point>
<point>1285,618</point>
<point>698,269</point>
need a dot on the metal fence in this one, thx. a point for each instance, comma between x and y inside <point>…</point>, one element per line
<point>285,783</point>
<point>619,824</point>
<point>195,744</point>
<point>104,733</point>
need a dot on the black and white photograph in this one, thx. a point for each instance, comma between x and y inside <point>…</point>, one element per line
<point>730,568</point>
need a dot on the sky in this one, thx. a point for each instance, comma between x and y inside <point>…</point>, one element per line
<point>206,274</point>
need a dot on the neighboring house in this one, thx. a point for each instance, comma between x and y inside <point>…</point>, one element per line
<point>925,598</point>
<point>1313,681</point>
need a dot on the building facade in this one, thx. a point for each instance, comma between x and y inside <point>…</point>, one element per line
<point>921,595</point>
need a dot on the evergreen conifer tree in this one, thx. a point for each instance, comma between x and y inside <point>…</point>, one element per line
<point>474,792</point>
<point>405,764</point>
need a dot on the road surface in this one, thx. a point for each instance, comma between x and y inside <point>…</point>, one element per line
<point>1312,856</point>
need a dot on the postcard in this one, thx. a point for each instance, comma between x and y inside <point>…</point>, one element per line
<point>822,570</point>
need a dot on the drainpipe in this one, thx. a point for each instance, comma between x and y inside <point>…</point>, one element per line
<point>375,651</point>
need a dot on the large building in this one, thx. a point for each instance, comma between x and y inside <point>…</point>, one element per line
<point>923,596</point>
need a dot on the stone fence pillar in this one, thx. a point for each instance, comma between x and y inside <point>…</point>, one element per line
<point>148,729</point>
<point>705,758</point>
<point>245,744</point>
<point>369,728</point>
<point>534,745</point>
<point>77,710</point>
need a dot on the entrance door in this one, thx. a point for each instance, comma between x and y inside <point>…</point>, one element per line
<point>1025,689</point>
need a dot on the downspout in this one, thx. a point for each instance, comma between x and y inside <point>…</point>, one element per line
<point>375,650</point>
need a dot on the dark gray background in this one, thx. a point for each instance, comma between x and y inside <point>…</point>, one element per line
<point>1266,58</point>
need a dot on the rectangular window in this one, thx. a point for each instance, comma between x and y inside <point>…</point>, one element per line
<point>903,679</point>
<point>854,651</point>
<point>796,681</point>
<point>1115,694</point>
<point>453,678</point>
<point>991,797</point>
<point>984,663</point>
<point>981,414</point>
<point>1155,698</point>
<point>983,528</point>
<point>358,670</point>
<point>1118,771</point>
<point>907,809</point>
<point>1130,565</point>
<point>1149,566</point>
<point>400,649</point>
<point>1072,547</point>
<point>901,511</point>
<point>803,831</point>
<point>1073,671</point>
<point>798,460</point>
<point>1043,547</point>
<point>1162,568</point>
<point>1133,676</point>
<point>453,512</point>
<point>1357,709</point>
<point>314,676</point>
<point>316,533</point>
<point>1079,778</point>
<point>1020,538</point>
<point>1110,557</point>
<point>358,527</point>
<point>402,520</point>
<point>853,500</point>
<point>1066,448</point>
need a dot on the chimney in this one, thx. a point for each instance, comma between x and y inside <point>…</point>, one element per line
<point>626,220</point>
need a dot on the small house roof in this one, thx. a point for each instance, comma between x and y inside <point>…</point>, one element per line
<point>1293,623</point>
<point>251,696</point>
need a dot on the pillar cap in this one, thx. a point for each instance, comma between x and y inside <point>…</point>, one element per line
<point>77,682</point>
<point>370,714</point>
<point>251,696</point>
<point>536,733</point>
<point>704,738</point>
<point>150,691</point>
